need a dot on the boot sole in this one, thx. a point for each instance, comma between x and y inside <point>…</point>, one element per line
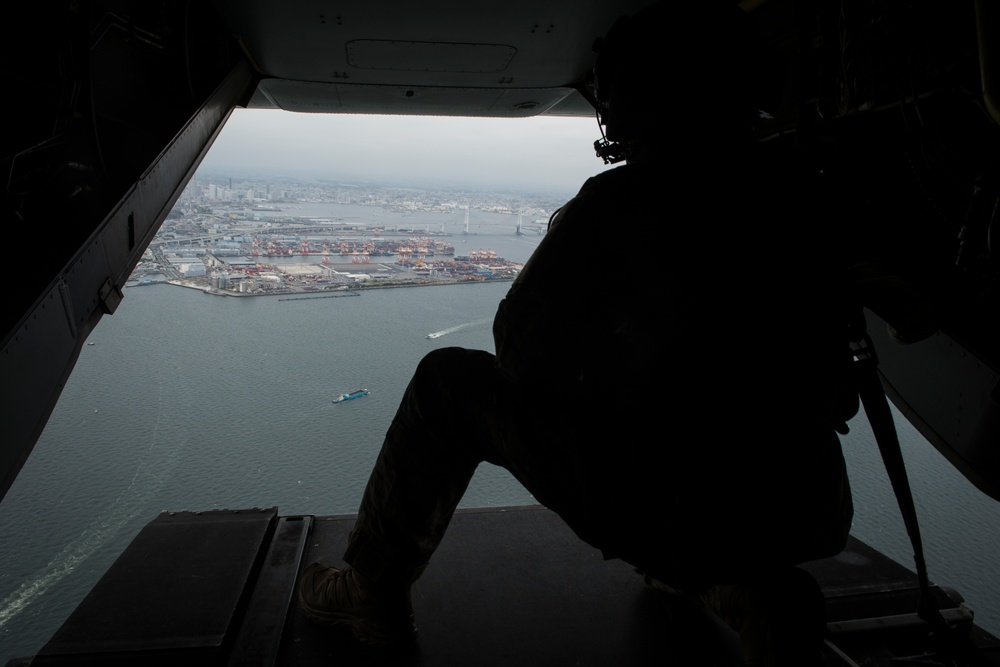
<point>361,630</point>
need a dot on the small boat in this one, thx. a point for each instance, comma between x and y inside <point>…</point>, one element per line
<point>357,393</point>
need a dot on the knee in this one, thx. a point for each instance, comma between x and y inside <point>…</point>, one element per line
<point>445,381</point>
<point>450,366</point>
<point>444,356</point>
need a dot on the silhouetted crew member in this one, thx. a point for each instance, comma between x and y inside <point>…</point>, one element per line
<point>679,414</point>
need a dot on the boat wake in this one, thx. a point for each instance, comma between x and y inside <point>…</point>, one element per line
<point>152,471</point>
<point>451,330</point>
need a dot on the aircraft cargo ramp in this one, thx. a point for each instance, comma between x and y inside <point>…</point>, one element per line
<point>508,586</point>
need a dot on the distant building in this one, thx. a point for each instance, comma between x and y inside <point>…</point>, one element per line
<point>191,270</point>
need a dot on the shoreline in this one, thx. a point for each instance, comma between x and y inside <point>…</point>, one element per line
<point>296,295</point>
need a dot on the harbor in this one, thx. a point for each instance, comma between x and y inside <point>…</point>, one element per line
<point>224,255</point>
<point>281,271</point>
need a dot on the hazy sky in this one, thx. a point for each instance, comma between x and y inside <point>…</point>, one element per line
<point>548,153</point>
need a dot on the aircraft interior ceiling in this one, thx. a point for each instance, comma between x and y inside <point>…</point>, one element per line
<point>118,102</point>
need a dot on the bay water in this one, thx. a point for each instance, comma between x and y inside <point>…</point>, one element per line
<point>183,400</point>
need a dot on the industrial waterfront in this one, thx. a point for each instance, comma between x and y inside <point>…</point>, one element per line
<point>338,240</point>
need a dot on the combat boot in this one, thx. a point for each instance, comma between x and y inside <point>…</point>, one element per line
<point>376,615</point>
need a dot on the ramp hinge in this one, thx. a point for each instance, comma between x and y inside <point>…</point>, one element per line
<point>111,296</point>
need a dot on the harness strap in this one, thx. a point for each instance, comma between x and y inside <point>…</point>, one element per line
<point>957,646</point>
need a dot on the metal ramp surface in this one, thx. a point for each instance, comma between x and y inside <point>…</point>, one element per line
<point>508,586</point>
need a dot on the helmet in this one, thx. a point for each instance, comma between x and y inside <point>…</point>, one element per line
<point>702,57</point>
